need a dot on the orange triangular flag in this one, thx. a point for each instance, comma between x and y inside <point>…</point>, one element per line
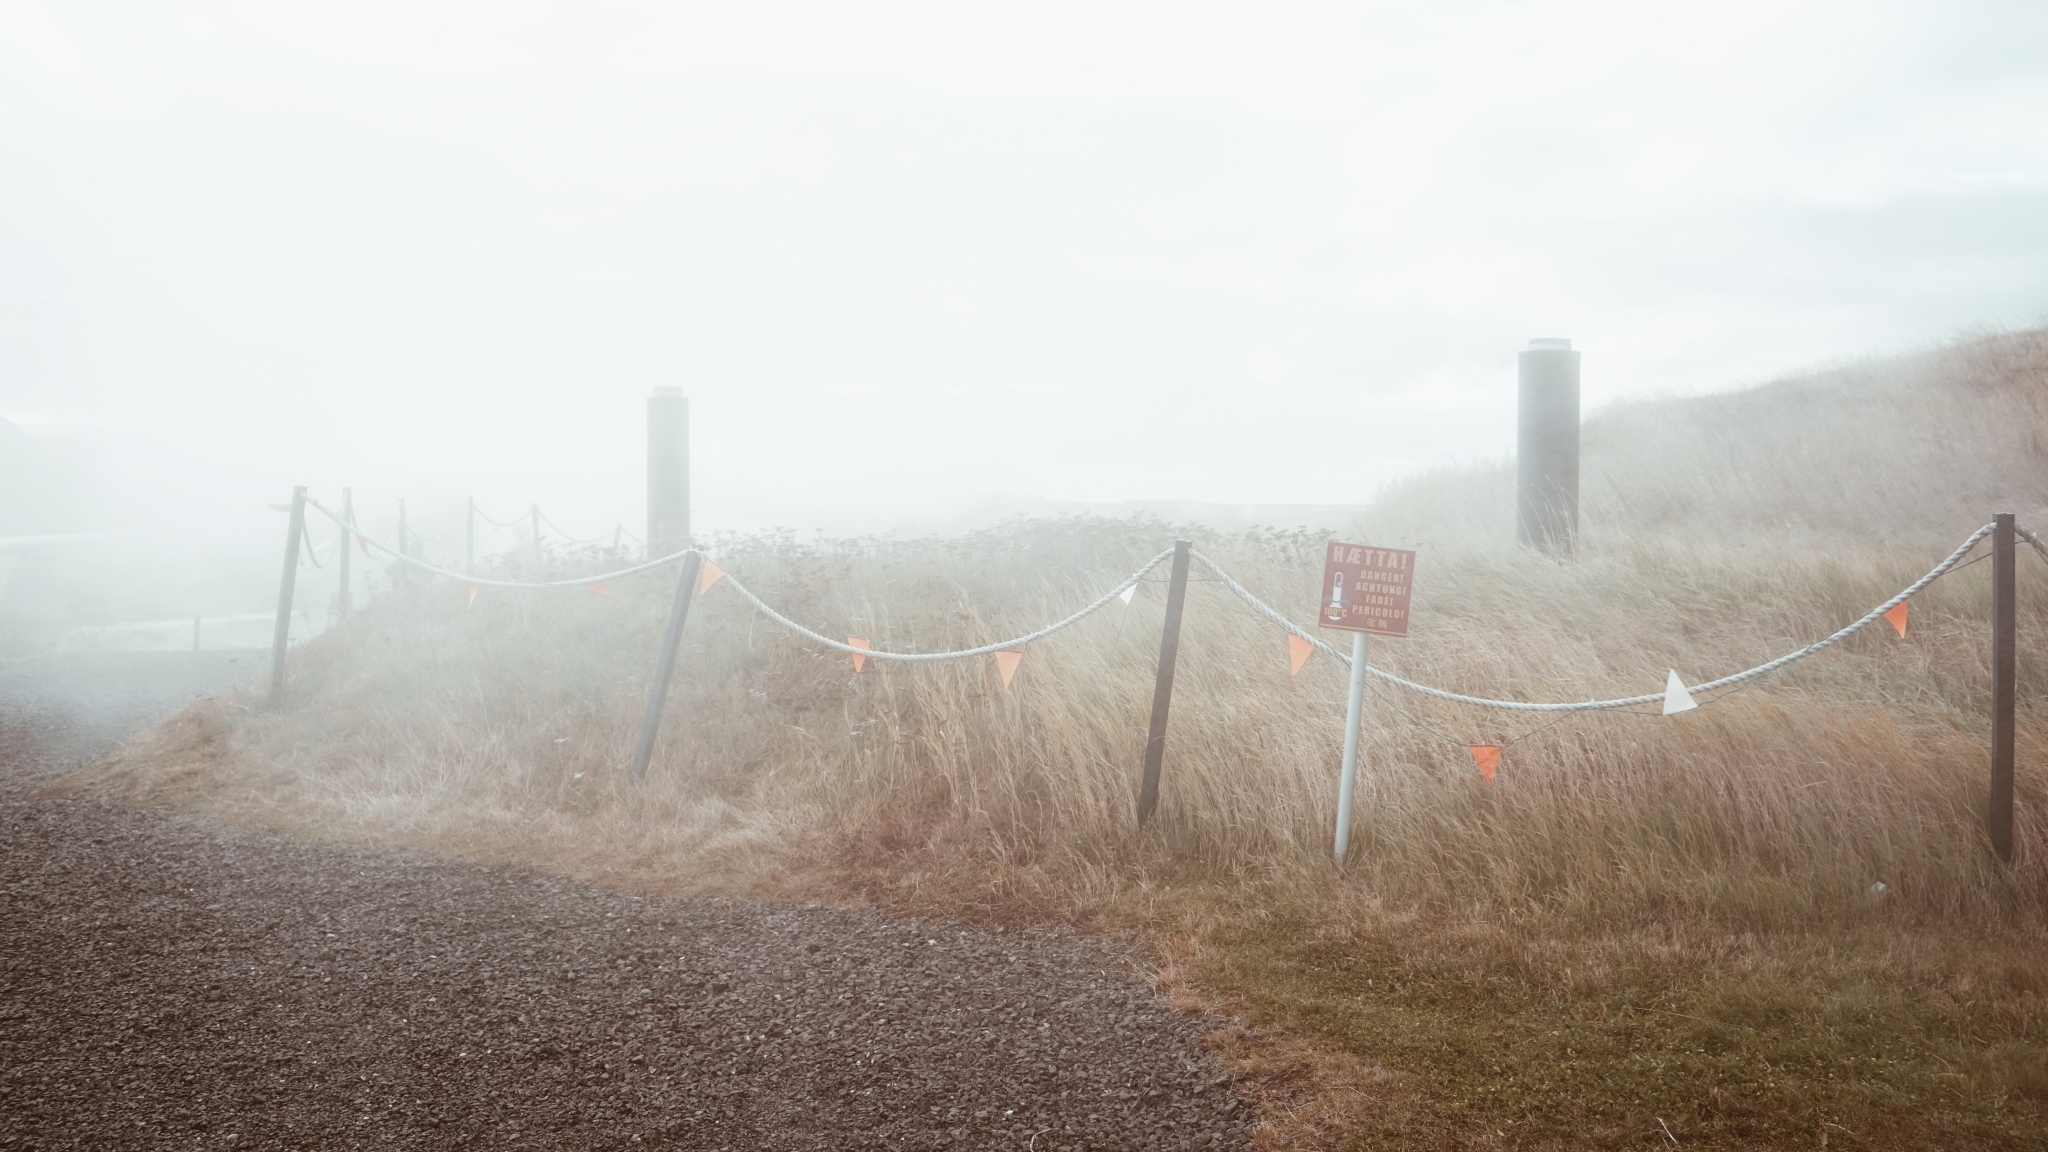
<point>859,661</point>
<point>601,588</point>
<point>712,575</point>
<point>473,589</point>
<point>1487,756</point>
<point>1897,617</point>
<point>1298,652</point>
<point>1006,663</point>
<point>364,541</point>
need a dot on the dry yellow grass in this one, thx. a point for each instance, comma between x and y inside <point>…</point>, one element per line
<point>1714,867</point>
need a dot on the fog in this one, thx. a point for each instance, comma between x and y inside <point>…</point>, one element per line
<point>914,264</point>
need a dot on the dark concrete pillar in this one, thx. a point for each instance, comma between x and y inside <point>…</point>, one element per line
<point>1547,448</point>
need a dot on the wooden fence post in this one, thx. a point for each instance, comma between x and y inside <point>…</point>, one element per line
<point>657,693</point>
<point>1162,690</point>
<point>293,536</point>
<point>2004,659</point>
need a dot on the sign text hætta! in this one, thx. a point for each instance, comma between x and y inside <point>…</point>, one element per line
<point>1365,589</point>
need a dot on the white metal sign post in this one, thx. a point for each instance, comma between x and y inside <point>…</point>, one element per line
<point>1347,783</point>
<point>1365,593</point>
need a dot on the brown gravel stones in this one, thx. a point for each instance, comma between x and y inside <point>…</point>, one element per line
<point>163,985</point>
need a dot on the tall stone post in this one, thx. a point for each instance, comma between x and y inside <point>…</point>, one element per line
<point>1547,448</point>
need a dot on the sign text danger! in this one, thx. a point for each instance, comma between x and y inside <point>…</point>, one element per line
<point>1365,589</point>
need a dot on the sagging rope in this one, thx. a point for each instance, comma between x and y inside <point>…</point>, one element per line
<point>568,539</point>
<point>1242,593</point>
<point>550,522</point>
<point>2031,538</point>
<point>1006,645</point>
<point>758,603</point>
<point>518,521</point>
<point>1874,614</point>
<point>486,518</point>
<point>486,582</point>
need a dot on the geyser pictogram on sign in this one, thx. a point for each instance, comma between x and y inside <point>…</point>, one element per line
<point>1365,589</point>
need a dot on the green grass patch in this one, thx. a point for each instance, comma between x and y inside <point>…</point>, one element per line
<point>1549,1035</point>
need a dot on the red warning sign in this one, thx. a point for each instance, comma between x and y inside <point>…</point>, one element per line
<point>1365,589</point>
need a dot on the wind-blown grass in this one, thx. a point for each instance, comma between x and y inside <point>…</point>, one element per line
<point>1716,866</point>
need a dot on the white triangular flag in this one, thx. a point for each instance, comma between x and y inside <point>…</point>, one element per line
<point>1127,593</point>
<point>1676,698</point>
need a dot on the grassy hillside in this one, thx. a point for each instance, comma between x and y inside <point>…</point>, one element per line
<point>1648,925</point>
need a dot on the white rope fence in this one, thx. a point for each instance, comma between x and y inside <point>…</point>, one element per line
<point>700,574</point>
<point>1006,645</point>
<point>578,541</point>
<point>2031,538</point>
<point>1266,610</point>
<point>748,594</point>
<point>486,582</point>
<point>1237,589</point>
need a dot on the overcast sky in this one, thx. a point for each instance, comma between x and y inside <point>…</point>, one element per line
<point>900,254</point>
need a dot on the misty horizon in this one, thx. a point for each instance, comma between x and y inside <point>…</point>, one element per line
<point>1074,254</point>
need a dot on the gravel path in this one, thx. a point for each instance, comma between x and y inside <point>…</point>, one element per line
<point>164,984</point>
